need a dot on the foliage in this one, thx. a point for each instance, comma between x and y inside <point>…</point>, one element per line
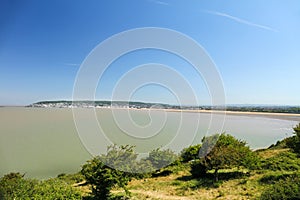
<point>71,178</point>
<point>294,142</point>
<point>282,144</point>
<point>199,168</point>
<point>119,166</point>
<point>107,171</point>
<point>55,189</point>
<point>190,153</point>
<point>15,186</point>
<point>273,178</point>
<point>287,161</point>
<point>284,189</point>
<point>225,153</point>
<point>162,158</point>
<point>122,158</point>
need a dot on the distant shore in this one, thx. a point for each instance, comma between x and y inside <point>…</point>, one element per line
<point>281,116</point>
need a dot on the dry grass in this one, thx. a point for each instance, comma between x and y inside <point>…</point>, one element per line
<point>235,184</point>
<point>182,186</point>
<point>271,152</point>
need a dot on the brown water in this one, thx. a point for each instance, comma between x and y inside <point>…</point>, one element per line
<point>44,142</point>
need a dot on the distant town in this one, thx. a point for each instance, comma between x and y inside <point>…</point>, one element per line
<point>144,105</point>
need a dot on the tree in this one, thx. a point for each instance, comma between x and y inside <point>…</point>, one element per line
<point>113,169</point>
<point>161,158</point>
<point>190,153</point>
<point>225,153</point>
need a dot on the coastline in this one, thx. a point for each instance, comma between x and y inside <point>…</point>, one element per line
<point>281,116</point>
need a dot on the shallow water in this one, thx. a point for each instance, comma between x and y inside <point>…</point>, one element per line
<point>44,142</point>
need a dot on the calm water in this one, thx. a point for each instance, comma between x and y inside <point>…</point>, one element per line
<point>44,142</point>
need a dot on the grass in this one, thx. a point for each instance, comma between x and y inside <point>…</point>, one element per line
<point>183,186</point>
<point>233,184</point>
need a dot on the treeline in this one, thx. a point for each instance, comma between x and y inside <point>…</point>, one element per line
<point>216,153</point>
<point>268,109</point>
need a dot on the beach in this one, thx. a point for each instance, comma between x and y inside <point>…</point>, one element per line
<point>281,116</point>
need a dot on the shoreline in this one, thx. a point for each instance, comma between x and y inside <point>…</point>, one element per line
<point>281,116</point>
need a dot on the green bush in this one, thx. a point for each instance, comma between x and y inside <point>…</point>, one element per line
<point>198,168</point>
<point>273,178</point>
<point>190,153</point>
<point>294,142</point>
<point>285,161</point>
<point>162,158</point>
<point>107,171</point>
<point>15,186</point>
<point>223,152</point>
<point>284,189</point>
<point>282,144</point>
<point>55,189</point>
<point>71,178</point>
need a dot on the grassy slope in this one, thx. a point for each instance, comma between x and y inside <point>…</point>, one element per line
<point>234,184</point>
<point>182,186</point>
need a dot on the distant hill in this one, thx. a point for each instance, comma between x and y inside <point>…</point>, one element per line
<point>140,105</point>
<point>105,104</point>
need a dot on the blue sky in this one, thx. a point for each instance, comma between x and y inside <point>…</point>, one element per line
<point>255,45</point>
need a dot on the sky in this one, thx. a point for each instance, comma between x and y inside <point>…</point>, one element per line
<point>254,44</point>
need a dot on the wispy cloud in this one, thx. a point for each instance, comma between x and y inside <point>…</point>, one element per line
<point>159,2</point>
<point>71,64</point>
<point>239,20</point>
<point>162,3</point>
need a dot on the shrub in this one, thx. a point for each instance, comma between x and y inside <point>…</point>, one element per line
<point>273,178</point>
<point>294,142</point>
<point>55,189</point>
<point>105,171</point>
<point>198,168</point>
<point>284,189</point>
<point>71,178</point>
<point>224,152</point>
<point>190,153</point>
<point>14,186</point>
<point>285,161</point>
<point>162,158</point>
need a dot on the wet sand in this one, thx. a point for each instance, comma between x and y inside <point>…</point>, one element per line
<point>282,116</point>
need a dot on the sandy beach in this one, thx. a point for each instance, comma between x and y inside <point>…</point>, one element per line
<point>281,116</point>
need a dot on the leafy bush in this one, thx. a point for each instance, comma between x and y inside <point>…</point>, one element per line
<point>284,189</point>
<point>223,152</point>
<point>285,161</point>
<point>162,158</point>
<point>282,144</point>
<point>273,178</point>
<point>294,142</point>
<point>55,189</point>
<point>107,171</point>
<point>198,168</point>
<point>190,153</point>
<point>71,178</point>
<point>14,186</point>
